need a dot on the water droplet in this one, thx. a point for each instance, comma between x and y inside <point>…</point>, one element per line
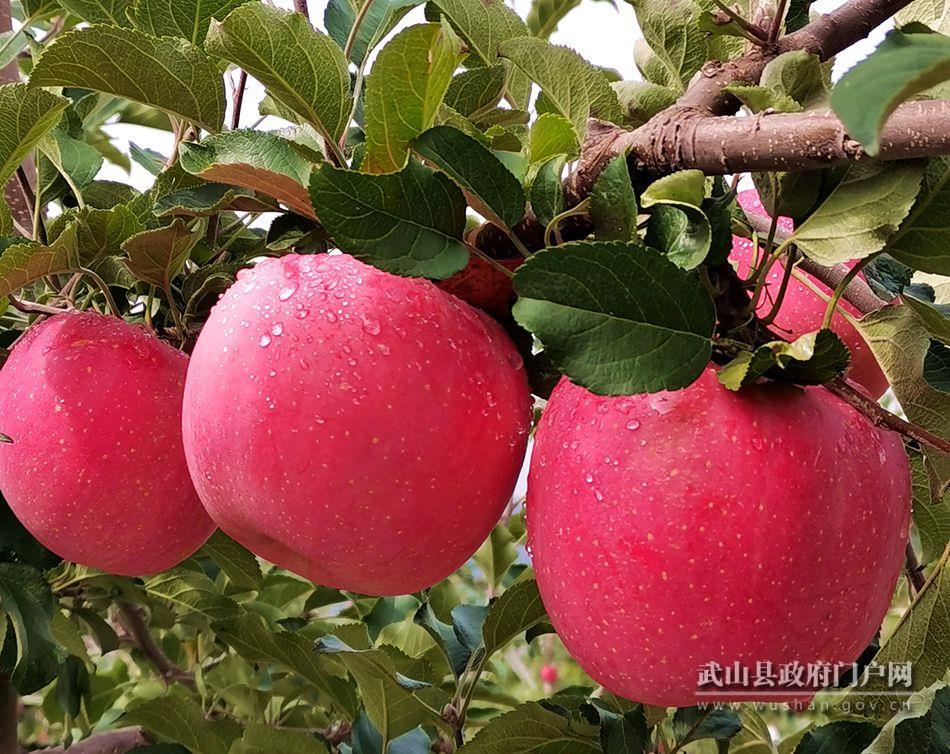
<point>265,340</point>
<point>633,424</point>
<point>287,291</point>
<point>369,325</point>
<point>278,330</point>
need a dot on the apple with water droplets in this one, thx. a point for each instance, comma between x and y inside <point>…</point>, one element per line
<point>803,308</point>
<point>674,530</point>
<point>360,429</point>
<point>96,470</point>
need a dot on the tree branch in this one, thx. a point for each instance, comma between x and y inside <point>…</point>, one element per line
<point>826,37</point>
<point>110,742</point>
<point>135,623</point>
<point>663,143</point>
<point>915,571</point>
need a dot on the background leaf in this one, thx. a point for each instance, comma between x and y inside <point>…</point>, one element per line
<point>188,19</point>
<point>28,114</point>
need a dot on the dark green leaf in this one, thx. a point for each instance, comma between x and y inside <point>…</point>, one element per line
<point>492,189</point>
<point>22,263</point>
<point>533,729</point>
<point>625,733</point>
<point>72,685</point>
<point>680,231</point>
<point>239,564</point>
<point>472,93</point>
<point>181,721</point>
<point>607,333</point>
<point>694,724</point>
<point>157,256</point>
<point>514,612</point>
<point>263,739</point>
<point>17,545</point>
<point>28,114</point>
<point>613,204</point>
<point>408,223</point>
<point>169,74</point>
<point>547,193</point>
<point>842,737</point>
<point>28,603</point>
<point>193,593</point>
<point>923,241</point>
<point>937,367</point>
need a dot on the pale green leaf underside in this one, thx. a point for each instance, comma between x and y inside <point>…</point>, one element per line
<point>256,160</point>
<point>188,19</point>
<point>404,91</point>
<point>27,115</point>
<point>861,214</point>
<point>169,74</point>
<point>618,319</point>
<point>21,264</point>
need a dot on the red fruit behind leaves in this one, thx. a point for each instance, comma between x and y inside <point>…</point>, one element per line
<point>803,310</point>
<point>483,286</point>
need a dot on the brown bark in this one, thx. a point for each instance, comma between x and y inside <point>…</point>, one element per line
<point>776,141</point>
<point>111,742</point>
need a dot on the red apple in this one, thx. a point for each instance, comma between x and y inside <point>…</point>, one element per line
<point>97,470</point>
<point>803,310</point>
<point>360,429</point>
<point>673,530</point>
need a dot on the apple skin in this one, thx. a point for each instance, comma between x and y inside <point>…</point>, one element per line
<point>675,529</point>
<point>97,469</point>
<point>360,429</point>
<point>803,310</point>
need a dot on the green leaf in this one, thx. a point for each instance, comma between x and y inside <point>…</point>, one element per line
<point>798,75</point>
<point>492,189</point>
<point>390,703</point>
<point>902,66</point>
<point>694,724</point>
<point>257,160</point>
<point>861,214</point>
<point>680,231</point>
<point>533,729</point>
<point>27,115</point>
<point>209,199</point>
<point>22,263</point>
<point>475,92</point>
<point>937,367</point>
<point>545,15</point>
<point>250,636</point>
<point>936,321</point>
<point>514,612</point>
<point>574,87</point>
<point>263,739</point>
<point>671,30</point>
<point>456,653</point>
<point>900,342</point>
<point>179,720</point>
<point>193,593</point>
<point>683,187</point>
<point>484,25</point>
<point>408,223</point>
<point>111,12</point>
<point>72,685</point>
<point>552,135</point>
<point>920,639</point>
<point>922,726</point>
<point>379,20</point>
<point>618,319</point>
<point>923,240</point>
<point>497,554</point>
<point>17,545</point>
<point>169,74</point>
<point>812,359</point>
<point>841,737</point>
<point>404,92</point>
<point>238,563</point>
<point>625,733</point>
<point>188,19</point>
<point>547,193</point>
<point>641,100</point>
<point>28,603</point>
<point>157,256</point>
<point>932,13</point>
<point>301,68</point>
<point>759,98</point>
<point>71,157</point>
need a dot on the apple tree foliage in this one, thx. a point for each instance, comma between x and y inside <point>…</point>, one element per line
<point>452,139</point>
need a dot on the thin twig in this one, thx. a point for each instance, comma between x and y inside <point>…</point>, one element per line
<point>776,30</point>
<point>881,417</point>
<point>138,628</point>
<point>29,307</point>
<point>239,90</point>
<point>915,571</point>
<point>30,197</point>
<point>753,32</point>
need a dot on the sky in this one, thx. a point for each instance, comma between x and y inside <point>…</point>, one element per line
<point>599,31</point>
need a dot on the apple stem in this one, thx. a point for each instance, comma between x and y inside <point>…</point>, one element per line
<point>28,307</point>
<point>138,628</point>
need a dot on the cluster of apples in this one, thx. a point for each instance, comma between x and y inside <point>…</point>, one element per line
<point>366,431</point>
